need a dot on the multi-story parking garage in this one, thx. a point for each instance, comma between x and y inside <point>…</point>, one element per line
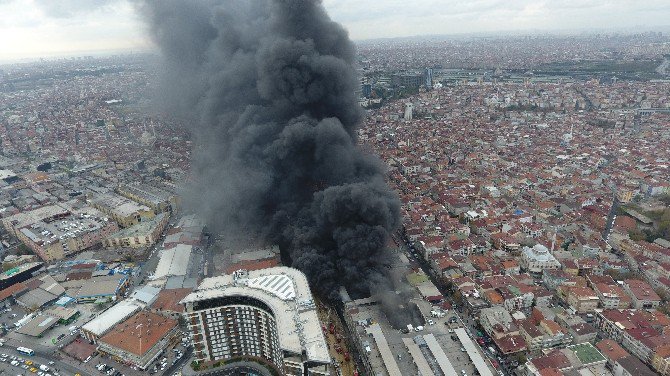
<point>265,316</point>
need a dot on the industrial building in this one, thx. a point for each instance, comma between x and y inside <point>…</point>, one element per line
<point>19,274</point>
<point>268,315</point>
<point>56,231</point>
<point>155,198</point>
<point>38,326</point>
<point>105,321</point>
<point>423,348</point>
<point>124,211</point>
<point>143,234</point>
<point>100,289</point>
<point>174,261</point>
<point>139,340</point>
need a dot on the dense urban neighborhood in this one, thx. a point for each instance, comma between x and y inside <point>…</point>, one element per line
<point>533,177</point>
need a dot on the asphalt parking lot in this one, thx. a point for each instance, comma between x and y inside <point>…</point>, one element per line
<point>11,317</point>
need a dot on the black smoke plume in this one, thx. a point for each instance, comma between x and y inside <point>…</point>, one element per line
<point>268,88</point>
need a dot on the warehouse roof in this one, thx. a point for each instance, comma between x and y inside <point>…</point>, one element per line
<point>168,300</point>
<point>36,298</point>
<point>146,294</point>
<point>174,261</point>
<point>139,333</point>
<point>101,286</point>
<point>37,326</point>
<point>106,320</point>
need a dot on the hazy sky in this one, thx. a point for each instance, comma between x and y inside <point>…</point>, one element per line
<point>30,28</point>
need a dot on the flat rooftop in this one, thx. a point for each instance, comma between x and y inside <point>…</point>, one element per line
<point>286,291</point>
<point>147,192</point>
<point>140,229</point>
<point>118,204</point>
<point>587,353</point>
<point>67,225</point>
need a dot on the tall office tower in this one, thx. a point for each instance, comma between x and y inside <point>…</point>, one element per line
<point>409,111</point>
<point>428,75</point>
<point>255,320</point>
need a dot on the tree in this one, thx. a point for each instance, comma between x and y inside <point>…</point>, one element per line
<point>664,308</point>
<point>636,235</point>
<point>662,293</point>
<point>23,249</point>
<point>521,358</point>
<point>457,298</point>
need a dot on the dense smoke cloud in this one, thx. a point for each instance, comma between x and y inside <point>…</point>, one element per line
<point>267,87</point>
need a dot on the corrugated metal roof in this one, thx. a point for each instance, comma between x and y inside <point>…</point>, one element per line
<point>440,356</point>
<point>106,320</point>
<point>474,355</point>
<point>419,360</point>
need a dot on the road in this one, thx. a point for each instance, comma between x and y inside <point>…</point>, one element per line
<point>181,363</point>
<point>41,357</point>
<point>663,68</point>
<point>149,266</point>
<point>465,320</point>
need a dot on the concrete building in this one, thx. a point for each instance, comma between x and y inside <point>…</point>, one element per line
<point>582,299</point>
<point>642,294</point>
<point>546,335</point>
<point>409,111</point>
<point>631,366</point>
<point>268,315</point>
<point>174,261</point>
<point>19,274</point>
<point>143,234</point>
<point>157,199</point>
<point>139,340</point>
<point>106,320</point>
<point>612,296</point>
<point>124,211</point>
<point>57,231</point>
<point>537,259</point>
<point>497,322</point>
<point>661,360</point>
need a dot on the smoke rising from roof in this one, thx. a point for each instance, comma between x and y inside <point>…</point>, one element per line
<point>267,87</point>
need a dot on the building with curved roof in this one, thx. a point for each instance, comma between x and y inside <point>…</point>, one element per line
<point>265,315</point>
<point>537,259</point>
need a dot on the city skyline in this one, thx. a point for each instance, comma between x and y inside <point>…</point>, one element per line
<point>41,29</point>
